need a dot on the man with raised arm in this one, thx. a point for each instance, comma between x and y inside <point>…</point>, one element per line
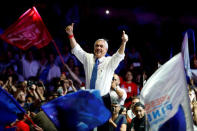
<point>106,66</point>
<point>99,63</point>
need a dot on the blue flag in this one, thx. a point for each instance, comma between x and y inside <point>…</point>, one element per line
<point>9,108</point>
<point>82,110</point>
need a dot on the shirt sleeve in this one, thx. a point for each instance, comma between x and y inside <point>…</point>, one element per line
<point>79,53</point>
<point>116,59</point>
<point>124,120</point>
<point>124,94</point>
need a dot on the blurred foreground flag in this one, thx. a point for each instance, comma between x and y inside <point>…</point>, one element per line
<point>9,108</point>
<point>166,98</point>
<point>79,111</point>
<point>29,30</point>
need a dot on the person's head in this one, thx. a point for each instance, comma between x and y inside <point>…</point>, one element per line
<point>76,70</point>
<point>192,95</point>
<point>139,110</point>
<point>20,116</point>
<point>21,96</point>
<point>29,99</point>
<point>115,107</point>
<point>64,84</point>
<point>71,63</point>
<point>40,88</point>
<point>63,76</point>
<point>116,79</point>
<point>29,55</point>
<point>100,48</point>
<point>195,63</point>
<point>51,58</point>
<point>129,76</point>
<point>134,100</point>
<point>123,110</point>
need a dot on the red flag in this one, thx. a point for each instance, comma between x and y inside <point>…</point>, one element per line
<point>29,30</point>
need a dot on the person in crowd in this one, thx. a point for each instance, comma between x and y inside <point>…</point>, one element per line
<point>134,55</point>
<point>30,66</point>
<point>116,92</point>
<point>130,112</point>
<point>194,113</point>
<point>74,76</point>
<point>54,70</point>
<point>117,121</point>
<point>63,76</point>
<point>65,87</point>
<point>193,106</point>
<point>139,122</point>
<point>99,69</point>
<point>78,72</point>
<point>123,110</point>
<point>9,85</point>
<point>130,87</point>
<point>20,123</point>
<point>21,99</point>
<point>51,70</point>
<point>42,60</point>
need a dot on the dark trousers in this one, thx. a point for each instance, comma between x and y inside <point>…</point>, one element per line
<point>107,103</point>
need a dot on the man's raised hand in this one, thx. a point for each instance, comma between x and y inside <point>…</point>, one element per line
<point>124,36</point>
<point>69,29</point>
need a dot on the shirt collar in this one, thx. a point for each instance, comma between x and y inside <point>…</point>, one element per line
<point>100,59</point>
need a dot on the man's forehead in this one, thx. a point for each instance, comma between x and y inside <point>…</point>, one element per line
<point>116,76</point>
<point>115,105</point>
<point>100,42</point>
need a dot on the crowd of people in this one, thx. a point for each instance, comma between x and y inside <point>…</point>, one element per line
<point>37,76</point>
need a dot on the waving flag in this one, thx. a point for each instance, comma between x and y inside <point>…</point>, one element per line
<point>29,30</point>
<point>166,98</point>
<point>9,108</point>
<point>82,111</point>
<point>186,58</point>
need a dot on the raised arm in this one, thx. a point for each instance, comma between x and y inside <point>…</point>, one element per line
<point>117,90</point>
<point>123,44</point>
<point>75,77</point>
<point>69,31</point>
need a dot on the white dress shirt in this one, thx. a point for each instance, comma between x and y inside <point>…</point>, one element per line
<point>54,71</point>
<point>29,68</point>
<point>106,68</point>
<point>114,95</point>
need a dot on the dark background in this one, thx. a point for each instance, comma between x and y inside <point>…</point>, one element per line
<point>154,27</point>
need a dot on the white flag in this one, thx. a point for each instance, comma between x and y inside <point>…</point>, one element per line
<point>165,94</point>
<point>186,58</point>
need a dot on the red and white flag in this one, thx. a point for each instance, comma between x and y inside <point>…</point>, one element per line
<point>29,30</point>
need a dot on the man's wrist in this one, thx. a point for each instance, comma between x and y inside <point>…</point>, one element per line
<point>70,36</point>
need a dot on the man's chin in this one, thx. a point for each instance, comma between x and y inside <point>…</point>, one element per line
<point>98,56</point>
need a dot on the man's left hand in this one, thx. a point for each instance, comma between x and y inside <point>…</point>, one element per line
<point>124,37</point>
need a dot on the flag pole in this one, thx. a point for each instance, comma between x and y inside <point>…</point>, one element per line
<point>58,51</point>
<point>30,120</point>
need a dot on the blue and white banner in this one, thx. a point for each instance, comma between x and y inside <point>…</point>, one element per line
<point>186,58</point>
<point>166,99</point>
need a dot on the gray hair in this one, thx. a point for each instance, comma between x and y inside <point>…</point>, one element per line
<point>105,41</point>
